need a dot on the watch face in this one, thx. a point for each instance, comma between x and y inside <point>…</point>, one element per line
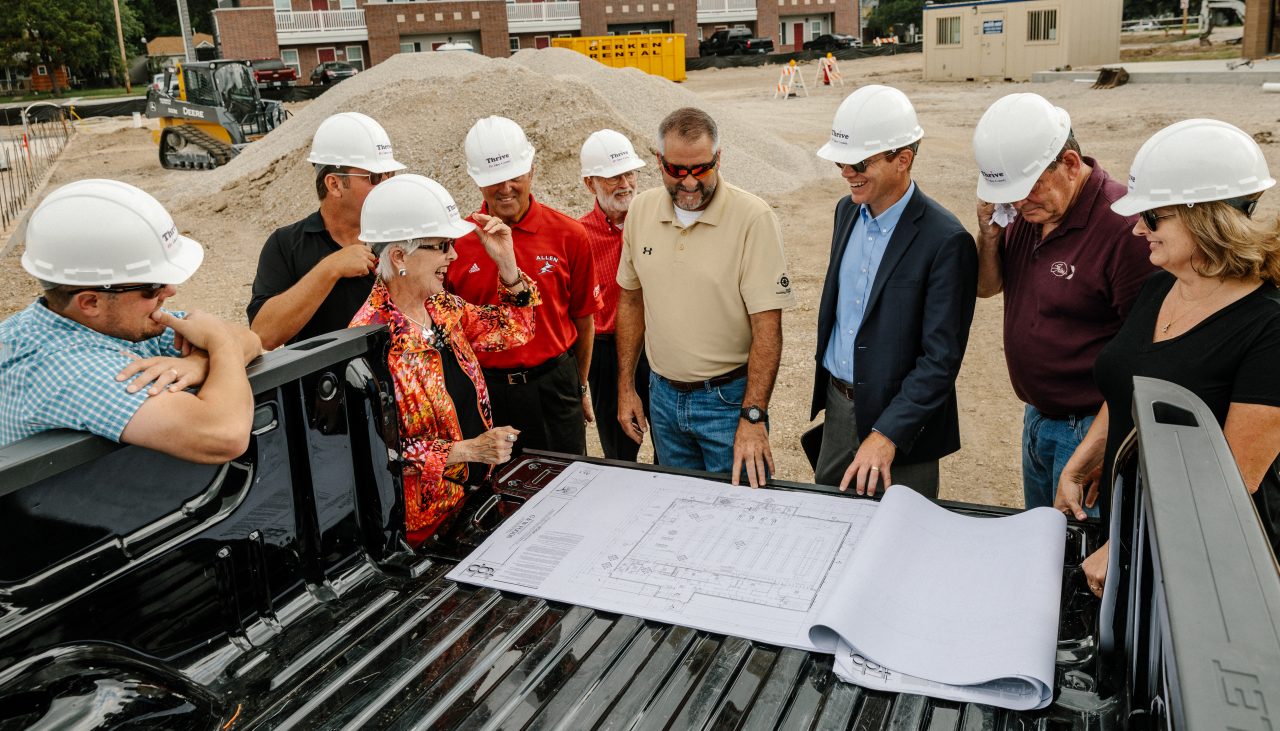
<point>753,414</point>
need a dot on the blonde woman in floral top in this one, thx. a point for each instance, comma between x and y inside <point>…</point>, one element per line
<point>447,438</point>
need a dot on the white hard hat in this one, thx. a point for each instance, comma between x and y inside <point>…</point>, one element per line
<point>1194,161</point>
<point>497,151</point>
<point>410,207</point>
<point>870,120</point>
<point>98,232</point>
<point>352,139</point>
<point>607,153</point>
<point>1015,141</point>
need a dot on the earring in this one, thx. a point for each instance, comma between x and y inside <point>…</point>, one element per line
<point>403,271</point>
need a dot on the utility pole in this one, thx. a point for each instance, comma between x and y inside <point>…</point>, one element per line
<point>124,59</point>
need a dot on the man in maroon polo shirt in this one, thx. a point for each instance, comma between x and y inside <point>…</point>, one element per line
<point>1069,268</point>
<point>539,388</point>
<point>609,165</point>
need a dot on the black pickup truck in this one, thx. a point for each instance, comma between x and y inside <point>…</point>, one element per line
<point>276,592</point>
<point>734,42</point>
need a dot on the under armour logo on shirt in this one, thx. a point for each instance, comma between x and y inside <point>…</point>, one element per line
<point>647,251</point>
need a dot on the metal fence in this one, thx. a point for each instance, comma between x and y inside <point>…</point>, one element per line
<point>26,153</point>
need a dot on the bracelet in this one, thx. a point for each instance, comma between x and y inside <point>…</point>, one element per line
<point>511,284</point>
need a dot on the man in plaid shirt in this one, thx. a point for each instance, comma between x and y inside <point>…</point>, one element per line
<point>98,353</point>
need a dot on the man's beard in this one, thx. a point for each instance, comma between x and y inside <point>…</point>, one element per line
<point>706,191</point>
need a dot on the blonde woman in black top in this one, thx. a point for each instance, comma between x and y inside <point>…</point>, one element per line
<point>1210,321</point>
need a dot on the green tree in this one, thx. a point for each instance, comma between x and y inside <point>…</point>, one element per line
<point>160,17</point>
<point>80,34</point>
<point>896,15</point>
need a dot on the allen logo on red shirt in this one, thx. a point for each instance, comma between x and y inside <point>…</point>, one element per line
<point>1062,269</point>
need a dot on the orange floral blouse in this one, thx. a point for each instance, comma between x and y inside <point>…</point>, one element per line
<point>428,421</point>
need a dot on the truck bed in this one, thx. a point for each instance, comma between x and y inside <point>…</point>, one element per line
<point>276,592</point>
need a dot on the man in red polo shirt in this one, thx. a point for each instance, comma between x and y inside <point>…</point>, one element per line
<point>539,388</point>
<point>609,165</point>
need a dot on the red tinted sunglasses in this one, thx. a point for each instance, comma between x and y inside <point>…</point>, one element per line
<point>680,172</point>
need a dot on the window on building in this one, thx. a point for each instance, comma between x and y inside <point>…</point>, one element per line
<point>699,32</point>
<point>514,42</point>
<point>815,28</point>
<point>347,4</point>
<point>949,31</point>
<point>290,58</point>
<point>41,70</point>
<point>408,47</point>
<point>355,57</point>
<point>283,6</point>
<point>1042,25</point>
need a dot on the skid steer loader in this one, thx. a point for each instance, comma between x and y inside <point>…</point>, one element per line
<point>208,112</point>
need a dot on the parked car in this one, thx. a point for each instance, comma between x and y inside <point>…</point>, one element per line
<point>456,46</point>
<point>828,42</point>
<point>734,42</point>
<point>273,72</point>
<point>331,72</point>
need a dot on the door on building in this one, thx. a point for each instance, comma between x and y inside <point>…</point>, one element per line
<point>319,4</point>
<point>797,30</point>
<point>992,44</point>
<point>541,41</point>
<point>325,55</point>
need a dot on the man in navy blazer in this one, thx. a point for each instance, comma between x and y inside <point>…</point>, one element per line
<point>896,308</point>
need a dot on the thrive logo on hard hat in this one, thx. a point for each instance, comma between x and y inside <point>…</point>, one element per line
<point>103,232</point>
<point>497,151</point>
<point>607,153</point>
<point>1016,140</point>
<point>352,139</point>
<point>871,120</point>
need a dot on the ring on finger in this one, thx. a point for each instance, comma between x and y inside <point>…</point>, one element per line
<point>174,371</point>
<point>875,469</point>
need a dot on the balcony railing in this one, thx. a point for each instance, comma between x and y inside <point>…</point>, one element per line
<point>711,11</point>
<point>554,15</point>
<point>300,26</point>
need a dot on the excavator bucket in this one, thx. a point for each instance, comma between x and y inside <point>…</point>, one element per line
<point>1111,77</point>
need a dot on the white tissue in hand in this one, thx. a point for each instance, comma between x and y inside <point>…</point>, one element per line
<point>1003,214</point>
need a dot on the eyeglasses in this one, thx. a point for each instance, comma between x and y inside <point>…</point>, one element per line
<point>374,178</point>
<point>861,167</point>
<point>1152,220</point>
<point>680,172</point>
<point>149,291</point>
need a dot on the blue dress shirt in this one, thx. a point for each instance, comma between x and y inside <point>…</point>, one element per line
<point>862,257</point>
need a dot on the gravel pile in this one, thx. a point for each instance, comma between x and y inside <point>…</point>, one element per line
<point>428,101</point>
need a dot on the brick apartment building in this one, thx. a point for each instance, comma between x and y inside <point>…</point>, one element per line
<point>304,33</point>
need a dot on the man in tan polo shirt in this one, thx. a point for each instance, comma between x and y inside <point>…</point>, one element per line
<point>703,281</point>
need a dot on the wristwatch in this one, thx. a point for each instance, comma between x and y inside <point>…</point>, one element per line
<point>754,415</point>
<point>582,390</point>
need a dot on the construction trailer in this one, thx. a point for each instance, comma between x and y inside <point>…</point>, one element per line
<point>1011,39</point>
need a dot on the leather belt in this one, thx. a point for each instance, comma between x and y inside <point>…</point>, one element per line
<point>846,389</point>
<point>687,386</point>
<point>519,377</point>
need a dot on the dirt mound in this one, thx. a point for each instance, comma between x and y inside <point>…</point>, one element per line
<point>428,101</point>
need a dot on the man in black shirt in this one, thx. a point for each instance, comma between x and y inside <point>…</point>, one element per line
<point>313,275</point>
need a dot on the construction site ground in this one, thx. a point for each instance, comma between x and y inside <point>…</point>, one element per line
<point>768,147</point>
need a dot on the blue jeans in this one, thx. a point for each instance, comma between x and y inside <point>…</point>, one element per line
<point>694,430</point>
<point>1047,444</point>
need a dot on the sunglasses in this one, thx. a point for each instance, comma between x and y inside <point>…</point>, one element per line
<point>861,167</point>
<point>374,178</point>
<point>680,172</point>
<point>1152,220</point>
<point>149,291</point>
<point>444,245</point>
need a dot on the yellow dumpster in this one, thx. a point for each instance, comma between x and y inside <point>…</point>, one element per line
<point>661,54</point>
